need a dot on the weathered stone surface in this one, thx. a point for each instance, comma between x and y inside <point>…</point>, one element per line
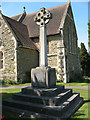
<point>8,72</point>
<point>61,104</point>
<point>26,60</point>
<point>71,57</point>
<point>44,97</point>
<point>43,91</point>
<point>17,61</point>
<point>72,54</point>
<point>42,18</point>
<point>52,52</point>
<point>43,77</point>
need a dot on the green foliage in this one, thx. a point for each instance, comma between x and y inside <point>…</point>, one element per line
<point>28,74</point>
<point>8,82</point>
<point>85,61</point>
<point>82,113</point>
<point>27,78</point>
<point>79,82</point>
<point>89,32</point>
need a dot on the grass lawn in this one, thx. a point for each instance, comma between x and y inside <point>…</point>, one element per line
<point>27,84</point>
<point>73,84</point>
<point>83,82</point>
<point>81,113</point>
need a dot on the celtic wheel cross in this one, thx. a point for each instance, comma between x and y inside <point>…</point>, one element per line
<point>42,18</point>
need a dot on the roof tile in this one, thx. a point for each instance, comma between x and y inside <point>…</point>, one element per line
<point>21,33</point>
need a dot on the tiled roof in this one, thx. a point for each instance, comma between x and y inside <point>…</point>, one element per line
<point>16,17</point>
<point>21,32</point>
<point>52,26</point>
<point>29,29</point>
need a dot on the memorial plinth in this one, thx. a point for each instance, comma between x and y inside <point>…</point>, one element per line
<point>43,77</point>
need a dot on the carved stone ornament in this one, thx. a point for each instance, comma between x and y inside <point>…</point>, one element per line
<point>42,17</point>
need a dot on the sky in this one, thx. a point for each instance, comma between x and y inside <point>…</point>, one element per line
<point>80,12</point>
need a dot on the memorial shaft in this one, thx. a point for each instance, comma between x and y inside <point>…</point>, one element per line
<point>42,18</point>
<point>43,46</point>
<point>43,76</point>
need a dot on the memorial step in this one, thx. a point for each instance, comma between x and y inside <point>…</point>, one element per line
<point>52,101</point>
<point>73,108</point>
<point>42,91</point>
<point>77,104</point>
<point>28,113</point>
<point>43,109</point>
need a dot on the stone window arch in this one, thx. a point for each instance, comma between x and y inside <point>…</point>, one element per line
<point>1,59</point>
<point>47,47</point>
<point>1,42</point>
<point>73,43</point>
<point>71,38</point>
<point>68,40</point>
<point>0,23</point>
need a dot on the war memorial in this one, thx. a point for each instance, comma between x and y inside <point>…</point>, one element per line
<point>44,99</point>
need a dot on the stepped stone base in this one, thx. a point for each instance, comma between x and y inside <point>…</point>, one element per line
<point>52,103</point>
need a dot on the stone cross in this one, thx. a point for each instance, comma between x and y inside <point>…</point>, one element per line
<point>42,18</point>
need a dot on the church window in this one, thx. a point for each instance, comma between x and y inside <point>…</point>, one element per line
<point>71,41</point>
<point>68,42</point>
<point>47,47</point>
<point>1,59</point>
<point>0,24</point>
<point>74,44</point>
<point>0,42</point>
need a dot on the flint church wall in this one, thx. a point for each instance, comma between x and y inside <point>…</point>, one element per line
<point>51,49</point>
<point>71,48</point>
<point>8,70</point>
<point>26,60</point>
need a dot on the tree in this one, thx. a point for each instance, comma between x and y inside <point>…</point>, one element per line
<point>85,59</point>
<point>89,33</point>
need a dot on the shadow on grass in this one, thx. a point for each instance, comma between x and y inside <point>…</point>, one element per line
<point>78,119</point>
<point>79,113</point>
<point>14,116</point>
<point>6,95</point>
<point>11,115</point>
<point>85,101</point>
<point>83,81</point>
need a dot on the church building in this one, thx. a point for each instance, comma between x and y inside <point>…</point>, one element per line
<point>19,45</point>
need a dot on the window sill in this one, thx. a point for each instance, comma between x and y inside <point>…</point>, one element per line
<point>49,55</point>
<point>1,69</point>
<point>72,53</point>
<point>1,47</point>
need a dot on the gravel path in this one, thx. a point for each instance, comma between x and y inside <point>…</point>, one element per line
<point>78,87</point>
<point>12,87</point>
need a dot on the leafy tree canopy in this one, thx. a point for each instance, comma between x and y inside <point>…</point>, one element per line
<point>85,60</point>
<point>89,33</point>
